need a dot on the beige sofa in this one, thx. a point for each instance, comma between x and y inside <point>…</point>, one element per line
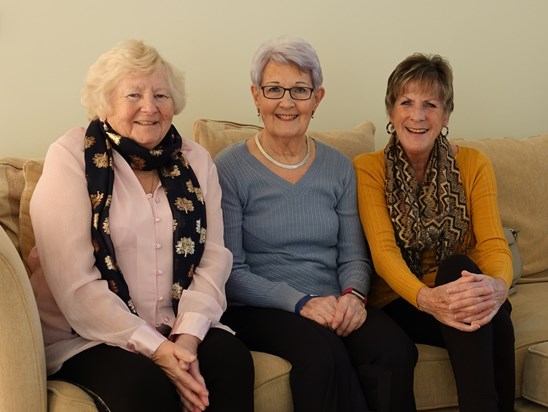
<point>522,175</point>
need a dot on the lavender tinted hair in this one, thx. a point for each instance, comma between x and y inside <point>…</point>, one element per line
<point>287,51</point>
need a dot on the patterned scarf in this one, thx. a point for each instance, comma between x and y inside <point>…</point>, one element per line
<point>182,190</point>
<point>427,216</point>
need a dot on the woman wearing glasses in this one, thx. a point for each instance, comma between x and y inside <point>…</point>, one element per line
<point>301,271</point>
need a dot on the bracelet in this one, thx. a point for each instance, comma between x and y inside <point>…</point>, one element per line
<point>356,293</point>
<point>301,302</point>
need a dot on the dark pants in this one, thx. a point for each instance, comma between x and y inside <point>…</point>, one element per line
<point>330,373</point>
<point>121,381</point>
<point>483,361</point>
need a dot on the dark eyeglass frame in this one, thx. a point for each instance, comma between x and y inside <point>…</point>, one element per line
<point>290,90</point>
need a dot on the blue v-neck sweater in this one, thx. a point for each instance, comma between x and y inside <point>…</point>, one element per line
<point>289,240</point>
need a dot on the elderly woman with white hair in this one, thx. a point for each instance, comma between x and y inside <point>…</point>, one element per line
<point>130,265</point>
<point>301,271</point>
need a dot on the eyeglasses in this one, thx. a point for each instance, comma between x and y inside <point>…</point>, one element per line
<point>296,93</point>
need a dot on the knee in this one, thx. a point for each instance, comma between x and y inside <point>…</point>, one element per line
<point>323,357</point>
<point>386,342</point>
<point>226,356</point>
<point>401,352</point>
<point>450,268</point>
<point>409,351</point>
<point>238,356</point>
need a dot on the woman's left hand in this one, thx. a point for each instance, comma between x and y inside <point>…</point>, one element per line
<point>476,298</point>
<point>181,367</point>
<point>190,343</point>
<point>350,314</point>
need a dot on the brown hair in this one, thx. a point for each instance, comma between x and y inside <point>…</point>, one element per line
<point>432,72</point>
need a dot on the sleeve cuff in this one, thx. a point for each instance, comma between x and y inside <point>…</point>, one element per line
<point>302,301</point>
<point>145,340</point>
<point>192,323</point>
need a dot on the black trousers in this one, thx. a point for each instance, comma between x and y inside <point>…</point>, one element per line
<point>369,370</point>
<point>483,361</point>
<point>122,381</point>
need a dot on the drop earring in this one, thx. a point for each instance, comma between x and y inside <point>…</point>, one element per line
<point>390,129</point>
<point>442,134</point>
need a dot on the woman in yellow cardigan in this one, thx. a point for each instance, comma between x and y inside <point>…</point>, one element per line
<point>429,211</point>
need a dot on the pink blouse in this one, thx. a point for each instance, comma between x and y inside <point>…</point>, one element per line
<point>70,293</point>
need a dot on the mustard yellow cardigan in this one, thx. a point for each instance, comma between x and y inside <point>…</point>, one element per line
<point>488,248</point>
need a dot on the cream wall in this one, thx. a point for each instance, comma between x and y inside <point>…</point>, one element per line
<point>498,49</point>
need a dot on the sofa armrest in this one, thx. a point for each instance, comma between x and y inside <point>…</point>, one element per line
<point>22,358</point>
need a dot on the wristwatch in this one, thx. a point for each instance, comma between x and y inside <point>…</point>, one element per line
<point>356,293</point>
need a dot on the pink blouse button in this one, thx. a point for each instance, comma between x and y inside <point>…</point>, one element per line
<point>157,246</point>
<point>160,299</point>
<point>166,319</point>
<point>156,219</point>
<point>149,195</point>
<point>159,272</point>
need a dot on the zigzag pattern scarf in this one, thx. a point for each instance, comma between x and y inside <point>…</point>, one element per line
<point>182,189</point>
<point>427,216</point>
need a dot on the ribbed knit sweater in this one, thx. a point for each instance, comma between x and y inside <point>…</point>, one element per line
<point>488,247</point>
<point>289,240</point>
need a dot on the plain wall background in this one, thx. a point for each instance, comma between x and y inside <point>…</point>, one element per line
<point>498,50</point>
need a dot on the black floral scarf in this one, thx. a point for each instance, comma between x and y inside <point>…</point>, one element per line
<point>182,190</point>
<point>428,216</point>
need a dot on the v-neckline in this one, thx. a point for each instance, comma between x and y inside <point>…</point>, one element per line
<point>299,185</point>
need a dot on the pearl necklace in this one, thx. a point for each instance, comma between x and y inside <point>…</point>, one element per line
<point>280,164</point>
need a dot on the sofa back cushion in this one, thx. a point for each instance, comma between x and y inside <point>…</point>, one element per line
<point>520,168</point>
<point>12,183</point>
<point>18,178</point>
<point>521,171</point>
<point>32,171</point>
<point>215,135</point>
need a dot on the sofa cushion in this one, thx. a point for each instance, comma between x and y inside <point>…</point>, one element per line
<point>66,397</point>
<point>272,390</point>
<point>521,168</point>
<point>434,384</point>
<point>434,381</point>
<point>529,315</point>
<point>535,374</point>
<point>215,135</point>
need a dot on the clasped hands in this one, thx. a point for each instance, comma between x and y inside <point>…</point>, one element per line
<point>467,303</point>
<point>180,363</point>
<point>342,315</point>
